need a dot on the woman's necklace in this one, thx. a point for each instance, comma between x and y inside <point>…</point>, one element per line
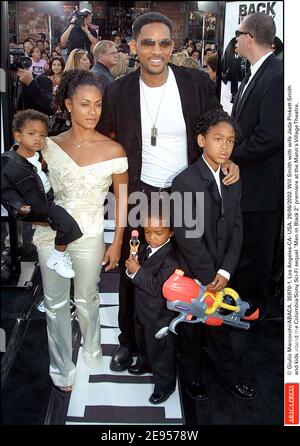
<point>78,145</point>
<point>154,130</point>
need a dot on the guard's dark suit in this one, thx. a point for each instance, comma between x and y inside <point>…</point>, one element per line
<point>259,154</point>
<point>151,314</point>
<point>121,119</point>
<point>201,257</point>
<point>21,185</point>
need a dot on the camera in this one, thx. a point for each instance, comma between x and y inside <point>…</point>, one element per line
<point>18,59</point>
<point>80,16</point>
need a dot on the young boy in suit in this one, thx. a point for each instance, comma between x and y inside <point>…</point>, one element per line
<point>155,264</point>
<point>26,191</point>
<point>212,256</point>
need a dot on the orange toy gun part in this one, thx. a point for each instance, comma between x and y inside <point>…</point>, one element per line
<point>195,303</point>
<point>134,243</point>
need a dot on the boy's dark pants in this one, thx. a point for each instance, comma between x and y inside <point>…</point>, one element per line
<point>159,355</point>
<point>67,230</point>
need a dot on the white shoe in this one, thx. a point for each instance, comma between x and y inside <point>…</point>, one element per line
<point>40,307</point>
<point>63,266</point>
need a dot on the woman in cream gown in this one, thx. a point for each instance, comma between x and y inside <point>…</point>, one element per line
<point>82,165</point>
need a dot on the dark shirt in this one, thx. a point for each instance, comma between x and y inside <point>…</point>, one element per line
<point>36,95</point>
<point>103,74</point>
<point>79,39</point>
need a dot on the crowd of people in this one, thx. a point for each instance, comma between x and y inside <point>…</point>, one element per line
<point>156,130</point>
<point>80,48</point>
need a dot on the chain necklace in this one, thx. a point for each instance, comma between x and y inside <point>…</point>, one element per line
<point>154,130</point>
<point>81,143</point>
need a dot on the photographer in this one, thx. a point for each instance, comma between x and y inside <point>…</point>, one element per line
<point>79,34</point>
<point>29,90</point>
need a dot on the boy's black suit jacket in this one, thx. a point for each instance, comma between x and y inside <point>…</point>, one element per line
<point>151,309</point>
<point>219,246</point>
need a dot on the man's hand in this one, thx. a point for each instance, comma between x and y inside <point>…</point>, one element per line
<point>40,223</point>
<point>85,27</point>
<point>218,283</point>
<point>25,76</point>
<point>24,209</point>
<point>132,264</point>
<point>232,172</point>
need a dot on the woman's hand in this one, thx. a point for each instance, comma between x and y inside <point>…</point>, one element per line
<point>112,256</point>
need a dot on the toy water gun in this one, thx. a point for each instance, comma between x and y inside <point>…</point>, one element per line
<point>134,243</point>
<point>195,303</point>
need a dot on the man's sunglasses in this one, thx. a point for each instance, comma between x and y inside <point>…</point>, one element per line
<point>240,33</point>
<point>164,43</point>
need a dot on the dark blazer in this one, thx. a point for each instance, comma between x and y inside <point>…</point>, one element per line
<point>121,115</point>
<point>259,152</point>
<point>20,185</point>
<point>151,306</point>
<point>37,95</point>
<point>220,244</point>
<point>103,74</point>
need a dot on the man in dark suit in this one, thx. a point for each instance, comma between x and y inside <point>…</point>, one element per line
<point>106,57</point>
<point>151,112</point>
<point>258,109</point>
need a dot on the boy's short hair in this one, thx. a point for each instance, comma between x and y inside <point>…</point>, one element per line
<point>212,118</point>
<point>22,117</point>
<point>161,212</point>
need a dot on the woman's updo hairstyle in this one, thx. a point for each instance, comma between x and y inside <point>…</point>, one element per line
<point>70,82</point>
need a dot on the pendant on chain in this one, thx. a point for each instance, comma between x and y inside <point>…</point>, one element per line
<point>153,135</point>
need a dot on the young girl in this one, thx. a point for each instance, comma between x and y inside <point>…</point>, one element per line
<point>39,66</point>
<point>56,68</point>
